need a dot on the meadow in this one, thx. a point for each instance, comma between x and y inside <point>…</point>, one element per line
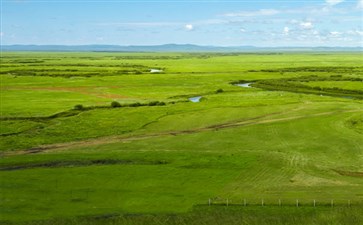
<point>97,138</point>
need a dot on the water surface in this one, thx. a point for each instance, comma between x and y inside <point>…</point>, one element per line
<point>246,85</point>
<point>195,99</point>
<point>155,71</point>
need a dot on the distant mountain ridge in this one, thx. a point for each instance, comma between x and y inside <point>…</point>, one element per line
<point>167,48</point>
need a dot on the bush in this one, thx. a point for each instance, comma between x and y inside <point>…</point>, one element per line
<point>219,91</point>
<point>115,104</point>
<point>161,103</point>
<point>155,103</point>
<point>136,104</point>
<point>79,107</point>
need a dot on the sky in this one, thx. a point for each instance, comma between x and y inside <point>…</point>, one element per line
<point>261,23</point>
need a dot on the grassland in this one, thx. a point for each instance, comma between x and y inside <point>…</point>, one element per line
<point>70,157</point>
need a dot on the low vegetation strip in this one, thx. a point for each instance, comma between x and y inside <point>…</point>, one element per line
<point>349,173</point>
<point>296,85</point>
<point>77,163</point>
<point>39,68</point>
<point>340,69</point>
<point>11,134</point>
<point>299,88</point>
<point>80,108</point>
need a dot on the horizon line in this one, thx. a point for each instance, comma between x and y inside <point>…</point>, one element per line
<point>156,45</point>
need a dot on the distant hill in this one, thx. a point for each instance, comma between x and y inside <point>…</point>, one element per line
<point>167,48</point>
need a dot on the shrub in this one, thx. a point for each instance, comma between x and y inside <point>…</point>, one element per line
<point>136,104</point>
<point>79,107</point>
<point>161,103</point>
<point>153,103</point>
<point>219,91</point>
<point>115,104</point>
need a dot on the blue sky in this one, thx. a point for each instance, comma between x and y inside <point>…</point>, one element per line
<point>224,23</point>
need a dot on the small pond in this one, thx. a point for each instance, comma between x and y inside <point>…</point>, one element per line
<point>155,71</point>
<point>246,85</point>
<point>195,99</point>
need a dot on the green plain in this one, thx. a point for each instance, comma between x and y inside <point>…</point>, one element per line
<point>164,162</point>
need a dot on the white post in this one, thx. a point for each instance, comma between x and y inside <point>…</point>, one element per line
<point>297,202</point>
<point>209,202</point>
<point>314,203</point>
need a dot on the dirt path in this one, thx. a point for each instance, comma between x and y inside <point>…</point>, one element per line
<point>117,138</point>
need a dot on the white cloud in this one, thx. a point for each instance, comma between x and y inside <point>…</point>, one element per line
<point>242,30</point>
<point>189,27</point>
<point>335,33</point>
<point>317,10</point>
<point>1,34</point>
<point>333,2</point>
<point>138,24</point>
<point>360,4</point>
<point>315,32</point>
<point>306,25</point>
<point>286,30</point>
<point>355,32</point>
<point>293,21</point>
<point>210,22</point>
<point>261,12</point>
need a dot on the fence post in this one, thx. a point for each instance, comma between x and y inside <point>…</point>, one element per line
<point>297,202</point>
<point>209,202</point>
<point>314,203</point>
<point>227,202</point>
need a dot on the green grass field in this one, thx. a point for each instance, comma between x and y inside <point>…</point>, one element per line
<point>296,134</point>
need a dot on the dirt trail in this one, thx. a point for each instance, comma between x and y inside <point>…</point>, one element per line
<point>114,139</point>
<point>349,173</point>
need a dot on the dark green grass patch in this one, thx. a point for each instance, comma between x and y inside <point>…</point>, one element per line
<point>74,163</point>
<point>298,85</point>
